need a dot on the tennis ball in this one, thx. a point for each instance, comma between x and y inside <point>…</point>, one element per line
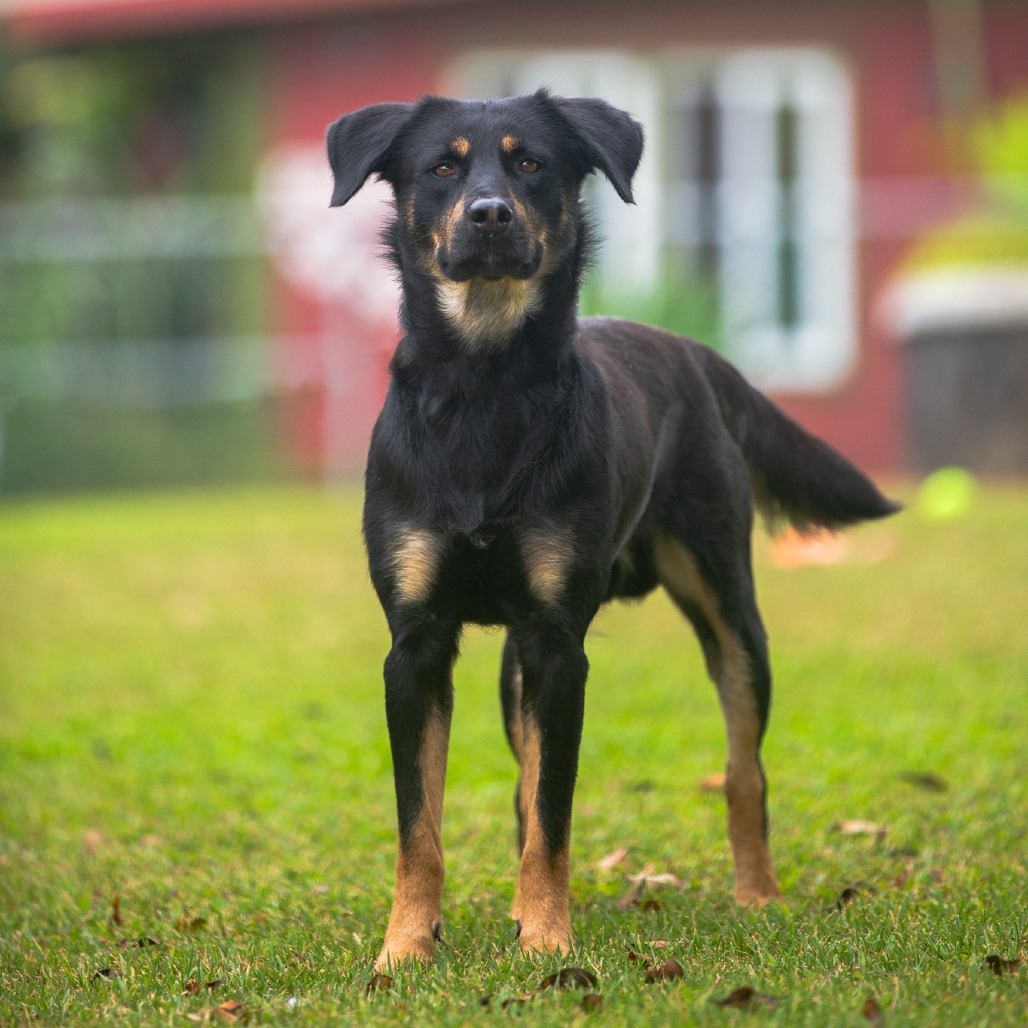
<point>947,494</point>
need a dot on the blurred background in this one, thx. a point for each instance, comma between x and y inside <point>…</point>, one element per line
<point>834,194</point>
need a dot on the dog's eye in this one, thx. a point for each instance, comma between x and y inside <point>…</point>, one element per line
<point>529,166</point>
<point>443,170</point>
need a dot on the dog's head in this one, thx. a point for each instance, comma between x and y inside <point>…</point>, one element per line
<point>486,191</point>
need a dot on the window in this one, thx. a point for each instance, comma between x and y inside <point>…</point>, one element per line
<point>745,197</point>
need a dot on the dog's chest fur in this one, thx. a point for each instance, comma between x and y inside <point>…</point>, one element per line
<point>475,454</point>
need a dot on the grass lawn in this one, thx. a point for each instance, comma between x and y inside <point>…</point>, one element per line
<point>196,813</point>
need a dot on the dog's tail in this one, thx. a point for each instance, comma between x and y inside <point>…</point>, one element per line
<point>796,477</point>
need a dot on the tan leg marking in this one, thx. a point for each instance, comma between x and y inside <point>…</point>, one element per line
<point>547,555</point>
<point>417,903</point>
<point>541,898</point>
<point>517,742</point>
<point>415,563</point>
<point>755,880</point>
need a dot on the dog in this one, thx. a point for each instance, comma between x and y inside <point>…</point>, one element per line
<point>528,466</point>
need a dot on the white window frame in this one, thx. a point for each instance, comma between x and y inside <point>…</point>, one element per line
<point>815,348</point>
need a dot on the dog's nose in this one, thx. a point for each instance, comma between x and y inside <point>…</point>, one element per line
<point>491,215</point>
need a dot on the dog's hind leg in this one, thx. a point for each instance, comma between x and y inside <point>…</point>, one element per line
<point>419,703</point>
<point>546,727</point>
<point>724,613</point>
<point>510,701</point>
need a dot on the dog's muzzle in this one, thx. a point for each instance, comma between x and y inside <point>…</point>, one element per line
<point>489,241</point>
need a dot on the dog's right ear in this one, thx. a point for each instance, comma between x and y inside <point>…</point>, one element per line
<point>358,146</point>
<point>611,140</point>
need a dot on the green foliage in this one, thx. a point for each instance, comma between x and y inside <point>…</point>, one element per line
<point>1001,145</point>
<point>680,301</point>
<point>997,232</point>
<point>67,444</point>
<point>165,114</point>
<point>123,165</point>
<point>196,796</point>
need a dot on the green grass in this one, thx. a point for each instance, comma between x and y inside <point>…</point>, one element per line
<point>191,732</point>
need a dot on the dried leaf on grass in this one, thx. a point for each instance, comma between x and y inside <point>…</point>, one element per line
<point>565,978</point>
<point>654,881</point>
<point>517,1001</point>
<point>612,860</point>
<point>107,974</point>
<point>1000,965</point>
<point>872,1011</point>
<point>143,942</point>
<point>858,827</point>
<point>631,899</point>
<point>191,925</point>
<point>925,780</point>
<point>229,1012</point>
<point>570,978</point>
<point>747,998</point>
<point>194,988</point>
<point>644,881</point>
<point>852,892</point>
<point>666,972</point>
<point>379,983</point>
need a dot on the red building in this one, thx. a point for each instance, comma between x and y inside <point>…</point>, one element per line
<point>795,150</point>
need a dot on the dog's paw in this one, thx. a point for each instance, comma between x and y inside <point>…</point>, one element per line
<point>544,938</point>
<point>756,884</point>
<point>758,894</point>
<point>401,947</point>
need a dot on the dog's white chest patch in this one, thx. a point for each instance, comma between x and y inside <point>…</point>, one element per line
<point>486,313</point>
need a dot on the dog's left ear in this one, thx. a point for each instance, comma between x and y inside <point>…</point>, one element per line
<point>358,146</point>
<point>612,140</point>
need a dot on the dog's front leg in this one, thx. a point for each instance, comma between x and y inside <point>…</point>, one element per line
<point>553,674</point>
<point>419,702</point>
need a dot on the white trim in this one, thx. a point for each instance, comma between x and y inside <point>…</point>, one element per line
<point>956,298</point>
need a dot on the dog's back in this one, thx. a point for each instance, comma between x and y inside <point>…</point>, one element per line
<point>795,476</point>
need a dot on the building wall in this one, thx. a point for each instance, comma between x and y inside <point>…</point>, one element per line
<point>323,69</point>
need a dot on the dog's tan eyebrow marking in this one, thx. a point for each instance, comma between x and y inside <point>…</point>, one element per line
<point>460,146</point>
<point>547,554</point>
<point>510,143</point>
<point>415,562</point>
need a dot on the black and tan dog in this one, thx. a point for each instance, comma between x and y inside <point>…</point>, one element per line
<point>529,466</point>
